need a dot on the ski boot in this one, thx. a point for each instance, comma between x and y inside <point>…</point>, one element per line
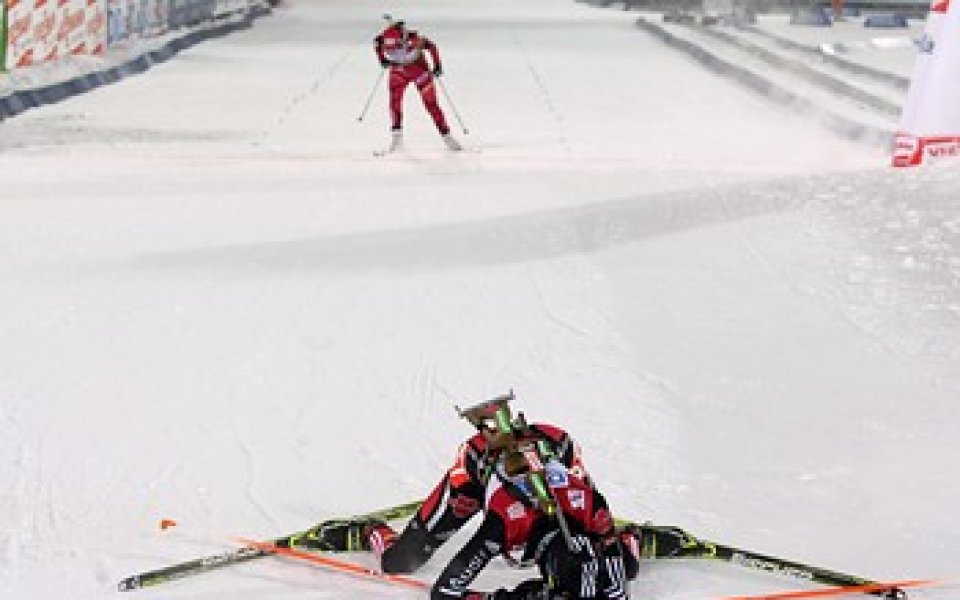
<point>665,541</point>
<point>396,140</point>
<point>339,535</point>
<point>451,142</point>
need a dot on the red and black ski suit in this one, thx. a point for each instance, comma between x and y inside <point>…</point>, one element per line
<point>588,564</point>
<point>403,52</point>
<point>460,495</point>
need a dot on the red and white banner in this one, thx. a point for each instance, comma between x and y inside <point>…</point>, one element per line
<point>43,30</point>
<point>930,123</point>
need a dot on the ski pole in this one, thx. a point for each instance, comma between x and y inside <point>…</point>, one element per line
<point>373,92</point>
<point>453,107</point>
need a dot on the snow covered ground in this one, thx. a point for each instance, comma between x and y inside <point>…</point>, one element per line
<point>217,306</point>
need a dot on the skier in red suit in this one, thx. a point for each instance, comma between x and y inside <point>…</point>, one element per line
<point>561,524</point>
<point>457,497</point>
<point>403,52</point>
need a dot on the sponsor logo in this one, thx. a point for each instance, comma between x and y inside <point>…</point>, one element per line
<point>942,148</point>
<point>463,506</point>
<point>516,511</point>
<point>476,564</point>
<point>26,59</point>
<point>96,24</point>
<point>19,28</point>
<point>71,22</point>
<point>557,476</point>
<point>603,521</point>
<point>906,144</point>
<point>577,499</point>
<point>45,27</point>
<point>228,557</point>
<point>761,564</point>
<point>906,150</point>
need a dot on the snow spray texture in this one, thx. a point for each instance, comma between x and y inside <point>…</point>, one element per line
<point>930,123</point>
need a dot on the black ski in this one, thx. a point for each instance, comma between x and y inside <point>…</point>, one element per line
<point>672,542</point>
<point>240,555</point>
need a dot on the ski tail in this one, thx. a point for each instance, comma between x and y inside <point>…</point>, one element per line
<point>659,542</point>
<point>198,566</point>
<point>331,563</point>
<point>187,569</point>
<point>890,589</point>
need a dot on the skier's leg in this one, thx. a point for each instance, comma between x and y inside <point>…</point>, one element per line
<point>630,548</point>
<point>444,512</point>
<point>428,93</point>
<point>397,85</point>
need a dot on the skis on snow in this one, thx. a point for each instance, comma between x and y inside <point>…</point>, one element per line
<point>654,539</point>
<point>240,555</point>
<point>653,536</point>
<point>396,144</point>
<point>334,564</point>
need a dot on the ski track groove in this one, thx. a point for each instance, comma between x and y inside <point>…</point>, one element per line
<point>548,312</point>
<point>250,480</point>
<point>543,89</point>
<point>319,81</point>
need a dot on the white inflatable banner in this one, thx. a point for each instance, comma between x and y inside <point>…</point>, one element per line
<point>930,123</point>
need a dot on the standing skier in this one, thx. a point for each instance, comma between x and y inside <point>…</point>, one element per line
<point>456,498</point>
<point>403,51</point>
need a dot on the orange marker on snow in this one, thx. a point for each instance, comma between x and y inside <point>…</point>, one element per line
<point>166,524</point>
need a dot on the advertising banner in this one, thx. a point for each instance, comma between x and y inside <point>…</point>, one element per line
<point>120,16</point>
<point>44,30</point>
<point>151,18</point>
<point>930,123</point>
<point>190,12</point>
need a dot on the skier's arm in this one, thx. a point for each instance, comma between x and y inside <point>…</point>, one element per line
<point>612,571</point>
<point>443,513</point>
<point>378,50</point>
<point>434,56</point>
<point>486,543</point>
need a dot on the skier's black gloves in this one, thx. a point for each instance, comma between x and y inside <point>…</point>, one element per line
<point>437,71</point>
<point>385,63</point>
<point>528,590</point>
<point>531,589</point>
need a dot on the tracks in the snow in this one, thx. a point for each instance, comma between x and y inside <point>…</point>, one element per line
<point>852,100</point>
